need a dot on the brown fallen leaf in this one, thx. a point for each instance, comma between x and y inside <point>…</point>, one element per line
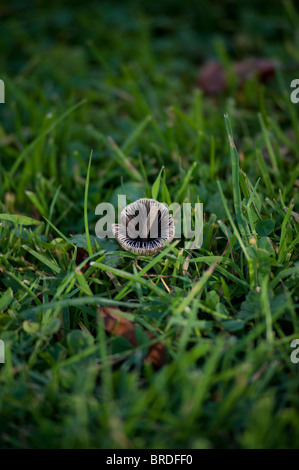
<point>117,325</point>
<point>212,78</point>
<point>157,354</point>
<point>82,255</point>
<point>248,68</point>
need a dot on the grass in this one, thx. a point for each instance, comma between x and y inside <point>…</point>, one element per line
<point>101,102</point>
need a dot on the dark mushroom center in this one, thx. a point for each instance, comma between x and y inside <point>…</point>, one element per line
<point>137,227</point>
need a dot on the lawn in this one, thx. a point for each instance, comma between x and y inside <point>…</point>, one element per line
<point>186,102</point>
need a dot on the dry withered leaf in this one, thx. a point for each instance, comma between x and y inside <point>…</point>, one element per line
<point>157,354</point>
<point>212,77</point>
<point>82,254</point>
<point>248,68</point>
<point>116,324</point>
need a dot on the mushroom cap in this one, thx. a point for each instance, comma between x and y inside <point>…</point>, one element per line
<point>145,235</point>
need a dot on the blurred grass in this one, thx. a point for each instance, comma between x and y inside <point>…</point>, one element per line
<point>121,81</point>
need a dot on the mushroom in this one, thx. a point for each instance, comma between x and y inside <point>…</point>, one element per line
<point>144,226</point>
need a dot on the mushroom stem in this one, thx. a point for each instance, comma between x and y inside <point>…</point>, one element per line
<point>149,222</point>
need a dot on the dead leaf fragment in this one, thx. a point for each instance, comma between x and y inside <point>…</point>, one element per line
<point>248,68</point>
<point>117,325</point>
<point>157,354</point>
<point>212,78</point>
<point>81,256</point>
